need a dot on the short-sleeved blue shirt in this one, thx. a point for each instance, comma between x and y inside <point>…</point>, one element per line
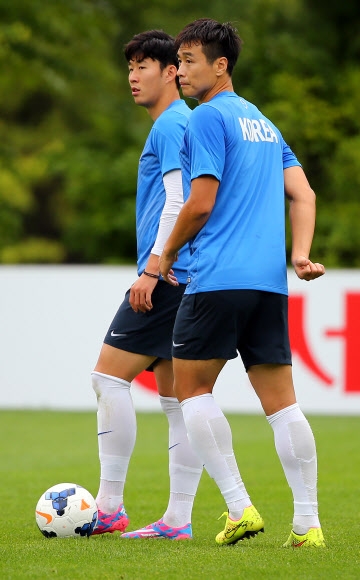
<point>242,245</point>
<point>160,155</point>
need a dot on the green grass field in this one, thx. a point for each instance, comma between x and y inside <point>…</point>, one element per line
<point>39,449</point>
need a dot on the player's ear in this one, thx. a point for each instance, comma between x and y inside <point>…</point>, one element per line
<point>221,65</point>
<point>171,72</point>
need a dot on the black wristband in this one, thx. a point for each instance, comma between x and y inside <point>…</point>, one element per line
<point>151,275</point>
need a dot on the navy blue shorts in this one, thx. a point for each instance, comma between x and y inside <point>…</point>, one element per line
<point>221,324</point>
<point>147,333</point>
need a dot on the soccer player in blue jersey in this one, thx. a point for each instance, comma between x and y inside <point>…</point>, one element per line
<point>140,335</point>
<point>236,168</point>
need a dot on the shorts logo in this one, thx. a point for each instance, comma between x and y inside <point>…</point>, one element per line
<point>114,334</point>
<point>180,344</point>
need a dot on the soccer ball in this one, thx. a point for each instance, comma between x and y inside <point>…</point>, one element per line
<point>66,510</point>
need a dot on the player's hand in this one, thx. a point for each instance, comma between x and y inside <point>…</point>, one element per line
<point>140,293</point>
<point>165,263</point>
<point>307,270</point>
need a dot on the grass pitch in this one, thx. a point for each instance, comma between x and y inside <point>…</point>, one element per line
<point>41,448</point>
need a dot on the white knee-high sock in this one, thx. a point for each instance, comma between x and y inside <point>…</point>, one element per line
<point>116,437</point>
<point>295,446</point>
<point>185,467</point>
<point>210,436</point>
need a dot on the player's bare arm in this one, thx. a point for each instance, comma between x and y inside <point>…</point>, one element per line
<point>302,213</point>
<point>191,219</point>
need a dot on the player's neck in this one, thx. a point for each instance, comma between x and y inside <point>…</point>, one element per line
<point>220,87</point>
<point>163,103</point>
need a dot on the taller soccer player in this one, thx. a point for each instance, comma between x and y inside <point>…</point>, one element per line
<point>236,168</point>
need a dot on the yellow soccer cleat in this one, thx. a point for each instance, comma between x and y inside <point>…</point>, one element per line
<point>313,539</point>
<point>250,524</point>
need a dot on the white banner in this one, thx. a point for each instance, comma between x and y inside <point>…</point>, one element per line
<point>54,318</point>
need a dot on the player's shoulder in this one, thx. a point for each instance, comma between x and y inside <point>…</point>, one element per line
<point>217,106</point>
<point>205,115</point>
<point>169,127</point>
<point>177,113</point>
<point>171,124</point>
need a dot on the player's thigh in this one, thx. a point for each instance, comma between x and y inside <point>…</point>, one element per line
<point>205,327</point>
<point>273,384</point>
<point>264,338</point>
<point>147,333</point>
<point>195,377</point>
<point>121,363</point>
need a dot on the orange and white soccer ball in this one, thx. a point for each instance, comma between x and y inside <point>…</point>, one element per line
<point>66,510</point>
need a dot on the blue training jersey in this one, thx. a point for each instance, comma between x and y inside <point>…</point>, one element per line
<point>242,245</point>
<point>160,155</point>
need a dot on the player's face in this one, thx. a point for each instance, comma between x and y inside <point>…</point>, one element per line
<point>197,76</point>
<point>146,81</point>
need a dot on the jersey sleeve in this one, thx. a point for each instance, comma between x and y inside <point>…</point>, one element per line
<point>167,136</point>
<point>166,149</point>
<point>206,142</point>
<point>289,158</point>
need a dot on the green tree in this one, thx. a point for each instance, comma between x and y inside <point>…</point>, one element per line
<point>70,135</point>
<point>65,147</point>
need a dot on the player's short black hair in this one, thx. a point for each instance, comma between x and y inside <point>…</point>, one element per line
<point>215,38</point>
<point>154,44</point>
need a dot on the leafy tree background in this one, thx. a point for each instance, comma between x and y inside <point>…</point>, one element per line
<point>71,136</point>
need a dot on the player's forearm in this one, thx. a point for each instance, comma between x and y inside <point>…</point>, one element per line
<point>152,265</point>
<point>302,220</point>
